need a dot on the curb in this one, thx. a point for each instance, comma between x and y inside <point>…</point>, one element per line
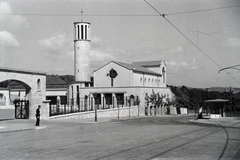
<point>26,129</point>
<point>18,130</point>
<point>225,124</point>
<point>203,123</point>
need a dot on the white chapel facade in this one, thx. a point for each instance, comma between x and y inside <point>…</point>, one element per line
<point>114,80</point>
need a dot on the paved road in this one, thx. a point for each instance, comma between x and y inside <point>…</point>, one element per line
<point>144,138</point>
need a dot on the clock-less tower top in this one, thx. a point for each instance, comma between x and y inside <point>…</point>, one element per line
<point>82,31</point>
<point>82,51</point>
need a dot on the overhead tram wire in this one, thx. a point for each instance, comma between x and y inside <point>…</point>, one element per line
<point>77,15</point>
<point>164,16</point>
<point>231,67</point>
<point>203,10</point>
<point>119,15</point>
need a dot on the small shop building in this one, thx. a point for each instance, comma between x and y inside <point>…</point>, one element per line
<point>216,107</point>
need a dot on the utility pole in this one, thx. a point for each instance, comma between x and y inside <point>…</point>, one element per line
<point>96,105</point>
<point>230,98</point>
<point>206,97</point>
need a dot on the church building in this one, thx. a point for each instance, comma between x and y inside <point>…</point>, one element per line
<point>115,82</point>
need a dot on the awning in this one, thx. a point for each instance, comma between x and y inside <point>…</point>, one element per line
<point>216,100</point>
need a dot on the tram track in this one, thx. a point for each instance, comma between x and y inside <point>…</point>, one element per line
<point>148,138</point>
<point>166,145</point>
<point>227,139</point>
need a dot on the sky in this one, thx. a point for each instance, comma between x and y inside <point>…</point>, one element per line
<point>196,38</point>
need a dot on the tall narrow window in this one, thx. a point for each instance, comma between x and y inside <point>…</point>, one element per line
<point>38,85</point>
<point>81,31</point>
<point>86,32</point>
<point>78,31</point>
<point>72,91</point>
<point>163,73</point>
<point>78,97</point>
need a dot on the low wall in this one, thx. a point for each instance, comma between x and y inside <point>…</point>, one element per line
<point>7,114</point>
<point>232,114</point>
<point>161,110</point>
<point>123,112</point>
<point>173,110</point>
<point>215,116</point>
<point>183,110</point>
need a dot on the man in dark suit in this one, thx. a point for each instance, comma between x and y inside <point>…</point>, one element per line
<point>38,116</point>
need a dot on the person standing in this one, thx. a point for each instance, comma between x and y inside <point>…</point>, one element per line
<point>38,116</point>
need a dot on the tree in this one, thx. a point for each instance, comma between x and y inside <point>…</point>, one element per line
<point>155,101</point>
<point>152,101</point>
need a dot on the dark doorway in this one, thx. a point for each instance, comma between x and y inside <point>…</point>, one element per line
<point>21,109</point>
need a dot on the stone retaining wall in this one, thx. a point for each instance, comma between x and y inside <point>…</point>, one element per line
<point>7,114</point>
<point>123,112</point>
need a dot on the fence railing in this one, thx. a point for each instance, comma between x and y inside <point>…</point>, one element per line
<point>89,104</point>
<point>232,114</point>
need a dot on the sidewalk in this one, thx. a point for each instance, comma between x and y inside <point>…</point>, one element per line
<point>16,125</point>
<point>224,121</point>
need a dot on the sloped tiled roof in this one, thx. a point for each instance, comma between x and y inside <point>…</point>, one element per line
<point>16,85</point>
<point>53,81</point>
<point>136,68</point>
<point>148,63</point>
<point>1,88</point>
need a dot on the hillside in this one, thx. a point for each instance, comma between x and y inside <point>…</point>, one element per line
<point>223,89</point>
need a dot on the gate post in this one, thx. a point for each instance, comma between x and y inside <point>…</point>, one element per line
<point>45,114</point>
<point>95,105</point>
<point>27,109</point>
<point>15,103</point>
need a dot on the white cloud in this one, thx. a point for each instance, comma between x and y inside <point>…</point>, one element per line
<point>232,42</point>
<point>177,49</point>
<point>58,69</point>
<point>96,39</point>
<point>177,64</point>
<point>171,63</point>
<point>19,21</point>
<point>13,20</point>
<point>55,45</point>
<point>8,40</point>
<point>5,8</point>
<point>183,64</point>
<point>100,56</point>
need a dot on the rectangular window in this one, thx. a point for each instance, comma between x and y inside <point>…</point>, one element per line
<point>108,98</point>
<point>78,32</point>
<point>98,99</point>
<point>85,32</point>
<point>81,31</point>
<point>120,98</point>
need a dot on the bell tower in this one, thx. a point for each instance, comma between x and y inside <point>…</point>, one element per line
<point>82,52</point>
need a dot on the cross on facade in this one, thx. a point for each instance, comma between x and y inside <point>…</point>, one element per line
<point>112,74</point>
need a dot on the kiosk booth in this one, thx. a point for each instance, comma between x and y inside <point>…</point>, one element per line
<point>216,107</point>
